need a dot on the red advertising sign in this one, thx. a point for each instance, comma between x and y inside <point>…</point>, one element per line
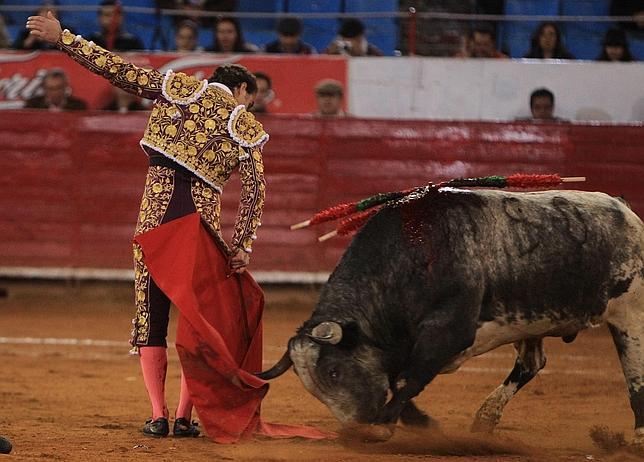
<point>294,77</point>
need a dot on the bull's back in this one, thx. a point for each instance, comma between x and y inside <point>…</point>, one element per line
<point>552,253</point>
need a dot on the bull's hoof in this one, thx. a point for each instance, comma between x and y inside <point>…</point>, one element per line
<point>483,425</point>
<point>367,433</point>
<point>639,436</point>
<point>414,417</point>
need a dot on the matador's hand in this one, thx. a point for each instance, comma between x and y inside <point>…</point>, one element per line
<point>239,261</point>
<point>46,28</point>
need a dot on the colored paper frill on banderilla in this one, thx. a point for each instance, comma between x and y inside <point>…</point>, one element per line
<point>219,334</point>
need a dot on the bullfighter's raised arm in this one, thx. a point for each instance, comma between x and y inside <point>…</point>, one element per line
<point>147,83</point>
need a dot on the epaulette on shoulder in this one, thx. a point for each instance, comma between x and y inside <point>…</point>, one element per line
<point>245,129</point>
<point>180,88</point>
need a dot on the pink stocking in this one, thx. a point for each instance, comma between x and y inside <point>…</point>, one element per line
<point>154,365</point>
<point>184,409</point>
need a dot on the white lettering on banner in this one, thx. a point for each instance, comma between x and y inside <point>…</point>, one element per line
<point>17,57</point>
<point>19,87</point>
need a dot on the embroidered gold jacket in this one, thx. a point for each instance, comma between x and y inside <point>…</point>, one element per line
<point>196,124</point>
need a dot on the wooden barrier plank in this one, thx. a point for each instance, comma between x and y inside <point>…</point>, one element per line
<point>72,183</point>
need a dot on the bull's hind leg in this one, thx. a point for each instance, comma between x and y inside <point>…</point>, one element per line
<point>625,318</point>
<point>530,360</point>
<point>630,348</point>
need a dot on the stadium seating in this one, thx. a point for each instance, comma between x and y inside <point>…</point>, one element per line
<point>81,22</point>
<point>154,30</point>
<point>584,40</point>
<point>317,32</point>
<point>637,47</point>
<point>18,18</point>
<point>382,32</point>
<point>259,31</point>
<point>514,37</point>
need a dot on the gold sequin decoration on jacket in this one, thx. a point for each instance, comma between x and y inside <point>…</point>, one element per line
<point>159,186</point>
<point>196,124</point>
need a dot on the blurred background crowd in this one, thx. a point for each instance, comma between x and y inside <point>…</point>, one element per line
<point>390,27</point>
<point>598,30</point>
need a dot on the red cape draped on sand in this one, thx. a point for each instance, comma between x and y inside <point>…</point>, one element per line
<point>218,346</point>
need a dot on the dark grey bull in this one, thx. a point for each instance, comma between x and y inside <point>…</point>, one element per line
<point>436,280</point>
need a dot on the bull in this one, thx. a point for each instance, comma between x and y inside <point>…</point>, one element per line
<point>451,274</point>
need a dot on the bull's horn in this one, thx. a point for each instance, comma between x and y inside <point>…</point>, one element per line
<point>327,332</point>
<point>278,369</point>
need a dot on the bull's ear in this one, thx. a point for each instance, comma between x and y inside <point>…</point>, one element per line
<point>326,332</point>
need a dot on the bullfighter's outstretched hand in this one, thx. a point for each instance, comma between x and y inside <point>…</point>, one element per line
<point>46,28</point>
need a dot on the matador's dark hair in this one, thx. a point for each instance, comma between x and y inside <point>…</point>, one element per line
<point>233,75</point>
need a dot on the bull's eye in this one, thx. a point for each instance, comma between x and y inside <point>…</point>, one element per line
<point>333,374</point>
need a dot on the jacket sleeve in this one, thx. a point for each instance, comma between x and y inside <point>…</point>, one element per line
<point>251,137</point>
<point>147,83</point>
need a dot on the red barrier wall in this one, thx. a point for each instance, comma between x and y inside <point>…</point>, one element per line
<point>71,182</point>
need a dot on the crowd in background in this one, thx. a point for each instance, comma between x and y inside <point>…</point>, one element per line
<point>477,41</point>
<point>116,32</point>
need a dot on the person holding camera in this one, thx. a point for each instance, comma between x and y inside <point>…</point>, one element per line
<point>351,41</point>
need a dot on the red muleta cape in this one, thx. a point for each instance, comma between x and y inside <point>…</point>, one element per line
<point>219,333</point>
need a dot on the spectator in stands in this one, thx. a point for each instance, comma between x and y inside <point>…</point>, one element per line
<point>265,93</point>
<point>542,105</point>
<point>112,36</point>
<point>635,9</point>
<point>615,47</point>
<point>123,102</point>
<point>193,8</point>
<point>351,40</point>
<point>186,36</point>
<point>480,43</point>
<point>289,33</point>
<point>56,94</point>
<point>4,35</point>
<point>546,43</point>
<point>25,41</point>
<point>230,39</point>
<point>329,95</point>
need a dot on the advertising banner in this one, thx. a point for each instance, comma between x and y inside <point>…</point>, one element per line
<point>294,77</point>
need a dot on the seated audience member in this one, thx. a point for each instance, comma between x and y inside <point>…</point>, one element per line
<point>265,93</point>
<point>191,9</point>
<point>351,40</point>
<point>546,43</point>
<point>4,35</point>
<point>186,36</point>
<point>123,102</point>
<point>111,35</point>
<point>289,33</point>
<point>56,94</point>
<point>480,43</point>
<point>329,96</point>
<point>542,105</point>
<point>615,47</point>
<point>25,41</point>
<point>633,8</point>
<point>230,39</point>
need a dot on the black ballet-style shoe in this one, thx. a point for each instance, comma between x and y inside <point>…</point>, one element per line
<point>158,428</point>
<point>184,429</point>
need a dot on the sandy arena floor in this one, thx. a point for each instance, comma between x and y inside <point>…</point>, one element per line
<point>87,402</point>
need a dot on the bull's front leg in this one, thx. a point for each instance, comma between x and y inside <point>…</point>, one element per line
<point>440,340</point>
